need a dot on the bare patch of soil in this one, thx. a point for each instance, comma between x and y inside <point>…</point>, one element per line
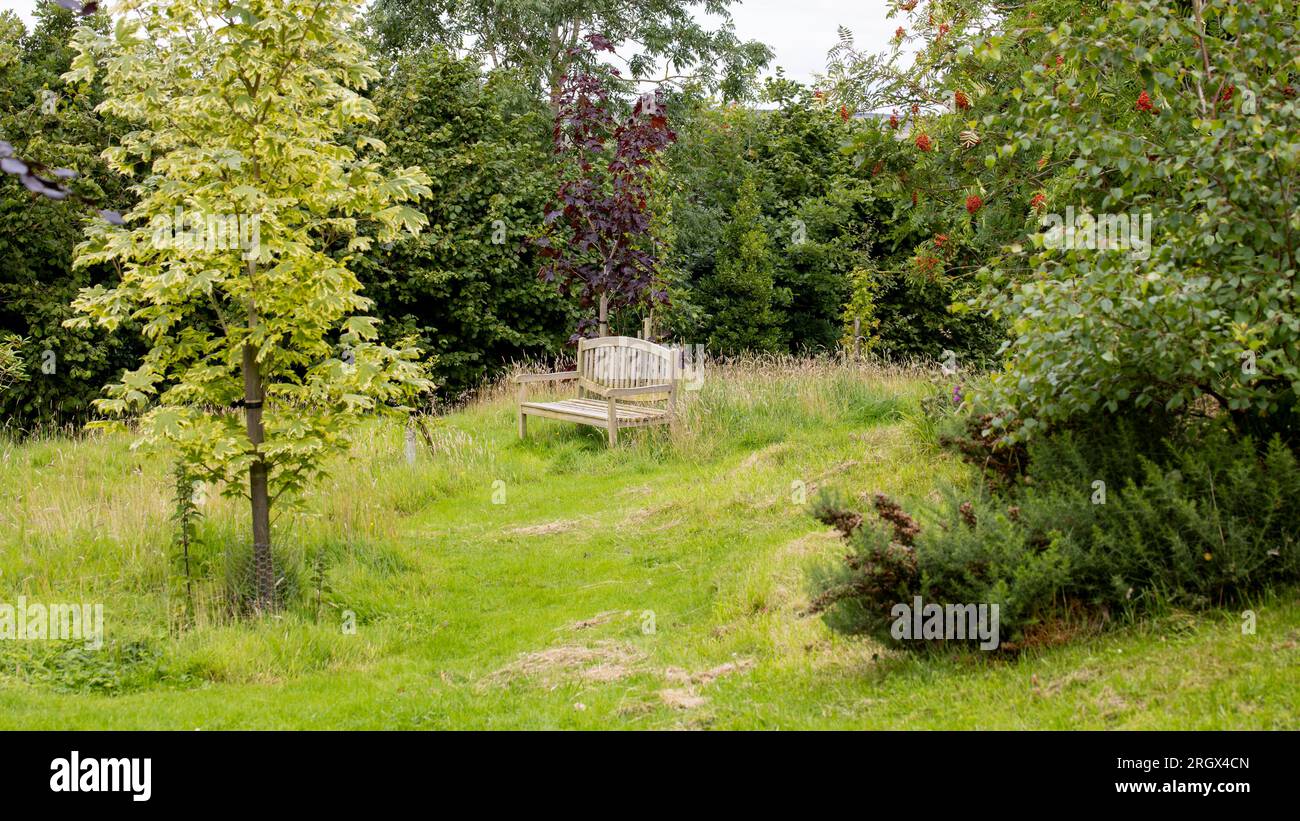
<point>598,661</point>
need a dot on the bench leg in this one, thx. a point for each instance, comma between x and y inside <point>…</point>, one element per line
<point>523,421</point>
<point>612,424</point>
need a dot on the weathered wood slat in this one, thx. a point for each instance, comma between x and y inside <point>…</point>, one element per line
<point>599,404</point>
<point>596,409</point>
<point>561,376</point>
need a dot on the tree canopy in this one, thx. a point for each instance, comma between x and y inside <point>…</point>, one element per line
<point>655,39</point>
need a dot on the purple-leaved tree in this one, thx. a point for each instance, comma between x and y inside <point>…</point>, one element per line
<point>597,241</point>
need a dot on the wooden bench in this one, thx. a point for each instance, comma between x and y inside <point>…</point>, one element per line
<point>622,382</point>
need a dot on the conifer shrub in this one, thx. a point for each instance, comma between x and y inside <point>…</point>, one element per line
<point>1100,521</point>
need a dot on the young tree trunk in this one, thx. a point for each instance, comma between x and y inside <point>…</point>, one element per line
<point>604,315</point>
<point>557,61</point>
<point>259,493</point>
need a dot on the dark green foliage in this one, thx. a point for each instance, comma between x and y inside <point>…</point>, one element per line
<point>921,260</point>
<point>1210,519</point>
<point>769,273</point>
<point>37,235</point>
<point>913,321</point>
<point>838,223</point>
<point>833,236</point>
<point>758,196</point>
<point>1195,520</point>
<point>468,284</point>
<point>744,306</point>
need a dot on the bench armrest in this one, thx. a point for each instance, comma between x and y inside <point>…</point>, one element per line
<point>546,377</point>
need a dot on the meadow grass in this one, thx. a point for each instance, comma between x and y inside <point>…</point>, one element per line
<point>556,582</point>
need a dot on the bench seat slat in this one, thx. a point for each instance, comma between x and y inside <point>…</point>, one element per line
<point>594,409</point>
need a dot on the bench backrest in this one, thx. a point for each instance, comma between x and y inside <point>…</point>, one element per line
<point>625,362</point>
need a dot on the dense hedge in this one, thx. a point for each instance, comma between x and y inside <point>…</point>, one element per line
<point>467,285</point>
<point>65,369</point>
<point>784,234</point>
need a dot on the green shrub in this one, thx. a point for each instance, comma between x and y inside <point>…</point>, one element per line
<point>74,667</point>
<point>745,308</point>
<point>911,319</point>
<point>1103,521</point>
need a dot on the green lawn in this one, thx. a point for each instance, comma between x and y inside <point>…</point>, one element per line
<point>657,585</point>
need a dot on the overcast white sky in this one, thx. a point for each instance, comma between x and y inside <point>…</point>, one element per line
<point>799,31</point>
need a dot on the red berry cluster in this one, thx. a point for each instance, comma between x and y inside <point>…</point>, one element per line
<point>974,203</point>
<point>1038,201</point>
<point>962,101</point>
<point>1144,103</point>
<point>923,142</point>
